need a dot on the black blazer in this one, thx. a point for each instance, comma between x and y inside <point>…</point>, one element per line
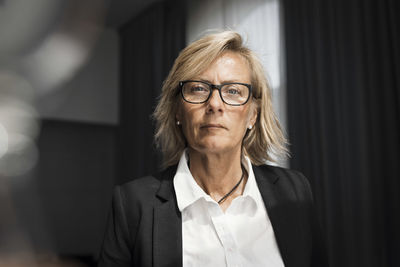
<point>145,226</point>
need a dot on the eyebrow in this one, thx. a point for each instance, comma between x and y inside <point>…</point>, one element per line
<point>223,82</point>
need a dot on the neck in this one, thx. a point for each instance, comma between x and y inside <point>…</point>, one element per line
<point>217,173</point>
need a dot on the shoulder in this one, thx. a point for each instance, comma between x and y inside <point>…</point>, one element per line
<point>278,170</point>
<point>276,173</point>
<point>144,189</point>
<point>285,179</point>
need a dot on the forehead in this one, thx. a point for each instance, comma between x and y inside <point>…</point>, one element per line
<point>230,66</point>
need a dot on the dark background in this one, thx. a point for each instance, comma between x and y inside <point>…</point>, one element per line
<point>343,77</point>
<point>343,69</point>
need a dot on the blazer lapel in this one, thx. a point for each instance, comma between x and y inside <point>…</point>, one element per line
<point>281,211</point>
<point>167,231</point>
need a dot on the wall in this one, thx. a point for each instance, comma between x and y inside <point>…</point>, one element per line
<point>92,94</point>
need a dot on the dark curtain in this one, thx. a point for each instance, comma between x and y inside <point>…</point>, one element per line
<point>63,207</point>
<point>149,44</point>
<point>343,79</point>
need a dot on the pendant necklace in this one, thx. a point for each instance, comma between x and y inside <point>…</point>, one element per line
<point>233,189</point>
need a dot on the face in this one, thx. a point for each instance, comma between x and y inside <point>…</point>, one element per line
<point>215,127</point>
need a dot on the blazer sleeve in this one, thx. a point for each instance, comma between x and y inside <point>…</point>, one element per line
<point>115,249</point>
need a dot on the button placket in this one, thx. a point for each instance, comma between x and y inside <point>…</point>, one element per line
<point>218,219</point>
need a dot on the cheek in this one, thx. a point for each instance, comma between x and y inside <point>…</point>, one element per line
<point>188,129</point>
<point>189,120</point>
<point>189,116</point>
<point>243,118</point>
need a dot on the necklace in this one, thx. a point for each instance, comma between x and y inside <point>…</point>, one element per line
<point>233,189</point>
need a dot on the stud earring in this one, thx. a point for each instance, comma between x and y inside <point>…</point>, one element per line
<point>178,123</point>
<point>250,127</point>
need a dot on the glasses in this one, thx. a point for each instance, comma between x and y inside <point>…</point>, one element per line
<point>197,92</point>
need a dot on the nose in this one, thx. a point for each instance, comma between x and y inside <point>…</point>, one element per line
<point>215,102</point>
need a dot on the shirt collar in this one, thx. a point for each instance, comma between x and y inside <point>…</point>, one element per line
<point>186,188</point>
<point>251,188</point>
<point>188,191</point>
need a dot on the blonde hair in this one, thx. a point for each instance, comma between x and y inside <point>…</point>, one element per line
<point>264,140</point>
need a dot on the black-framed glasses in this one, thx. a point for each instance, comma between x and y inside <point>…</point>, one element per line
<point>197,92</point>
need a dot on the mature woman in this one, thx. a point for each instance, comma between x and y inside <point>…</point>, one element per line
<point>216,203</point>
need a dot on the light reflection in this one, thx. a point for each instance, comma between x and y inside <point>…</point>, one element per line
<point>19,126</point>
<point>3,141</point>
<point>56,61</point>
<point>20,158</point>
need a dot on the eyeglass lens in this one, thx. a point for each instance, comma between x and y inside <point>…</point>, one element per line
<point>232,93</point>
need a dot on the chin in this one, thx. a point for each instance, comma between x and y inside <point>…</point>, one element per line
<point>214,145</point>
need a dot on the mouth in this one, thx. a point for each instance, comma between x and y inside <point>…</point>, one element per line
<point>212,126</point>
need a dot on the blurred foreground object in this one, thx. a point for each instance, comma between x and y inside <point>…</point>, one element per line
<point>42,45</point>
<point>18,126</point>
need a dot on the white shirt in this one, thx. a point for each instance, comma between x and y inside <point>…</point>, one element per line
<point>242,236</point>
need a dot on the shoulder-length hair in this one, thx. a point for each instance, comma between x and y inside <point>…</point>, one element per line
<point>264,142</point>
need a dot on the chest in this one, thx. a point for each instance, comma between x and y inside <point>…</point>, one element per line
<point>242,235</point>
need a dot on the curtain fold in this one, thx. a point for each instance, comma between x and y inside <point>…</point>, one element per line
<point>149,44</point>
<point>343,89</point>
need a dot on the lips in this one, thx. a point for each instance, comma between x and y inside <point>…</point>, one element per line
<point>212,126</point>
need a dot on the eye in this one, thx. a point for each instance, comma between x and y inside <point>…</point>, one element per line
<point>233,90</point>
<point>198,88</point>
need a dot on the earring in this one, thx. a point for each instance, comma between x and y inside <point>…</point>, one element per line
<point>250,127</point>
<point>178,123</point>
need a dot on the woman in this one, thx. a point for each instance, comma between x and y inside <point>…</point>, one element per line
<point>216,203</point>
